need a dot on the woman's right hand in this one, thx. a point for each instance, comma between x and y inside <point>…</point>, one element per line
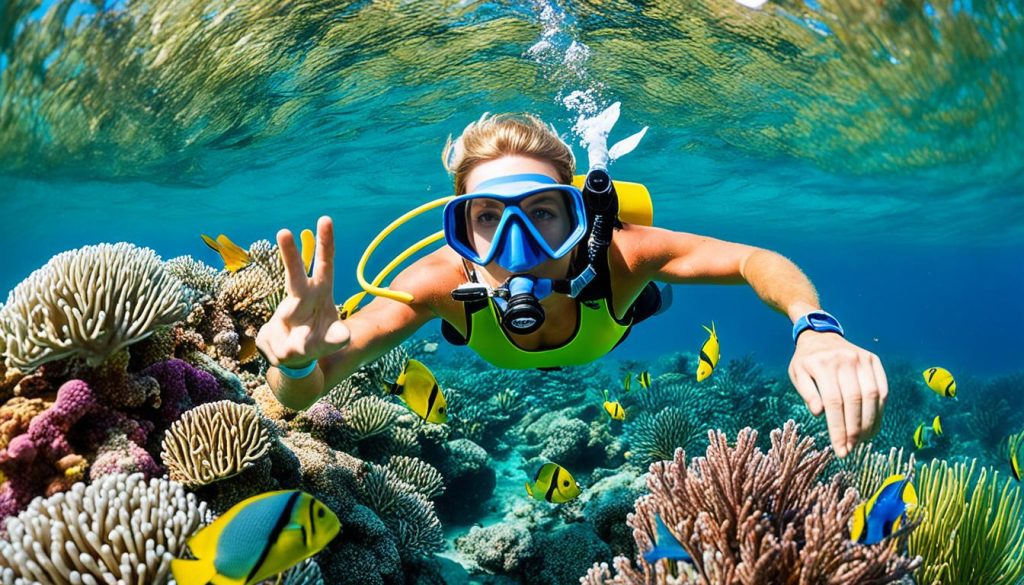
<point>305,326</point>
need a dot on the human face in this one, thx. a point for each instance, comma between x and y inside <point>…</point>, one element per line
<point>549,211</point>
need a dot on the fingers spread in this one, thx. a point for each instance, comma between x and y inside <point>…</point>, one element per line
<point>296,282</point>
<point>323,264</point>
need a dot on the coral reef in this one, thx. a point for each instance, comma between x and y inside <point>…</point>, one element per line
<point>90,303</point>
<point>501,548</point>
<point>120,528</point>
<point>754,517</point>
<point>213,442</point>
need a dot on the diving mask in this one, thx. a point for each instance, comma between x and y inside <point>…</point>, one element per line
<point>518,221</point>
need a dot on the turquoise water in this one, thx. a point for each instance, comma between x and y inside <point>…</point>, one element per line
<point>879,145</point>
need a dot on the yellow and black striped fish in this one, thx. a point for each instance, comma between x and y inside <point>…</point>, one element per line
<point>553,484</point>
<point>921,438</point>
<point>940,381</point>
<point>1015,441</point>
<point>614,410</point>
<point>937,426</point>
<point>645,379</point>
<point>257,538</point>
<point>709,354</point>
<point>626,382</point>
<point>418,389</point>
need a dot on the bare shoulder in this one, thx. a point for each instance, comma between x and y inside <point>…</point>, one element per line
<point>431,278</point>
<point>638,246</point>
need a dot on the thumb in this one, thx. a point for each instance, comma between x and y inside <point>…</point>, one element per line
<point>337,334</point>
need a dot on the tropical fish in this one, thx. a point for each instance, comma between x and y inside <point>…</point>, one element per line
<point>247,351</point>
<point>645,379</point>
<point>235,258</point>
<point>553,484</point>
<point>257,538</point>
<point>614,410</point>
<point>626,382</point>
<point>418,389</point>
<point>880,517</point>
<point>940,381</point>
<point>666,545</point>
<point>308,248</point>
<point>937,426</point>
<point>708,354</point>
<point>922,438</point>
<point>1014,448</point>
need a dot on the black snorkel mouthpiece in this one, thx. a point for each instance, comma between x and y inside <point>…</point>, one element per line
<point>522,313</point>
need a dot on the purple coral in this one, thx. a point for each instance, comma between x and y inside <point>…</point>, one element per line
<point>47,433</point>
<point>182,387</point>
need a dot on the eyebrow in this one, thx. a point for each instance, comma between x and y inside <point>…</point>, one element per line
<point>544,197</point>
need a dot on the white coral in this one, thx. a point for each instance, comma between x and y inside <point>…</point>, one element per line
<point>119,530</point>
<point>89,302</point>
<point>212,442</point>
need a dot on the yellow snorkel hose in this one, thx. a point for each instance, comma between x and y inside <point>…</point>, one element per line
<point>374,288</point>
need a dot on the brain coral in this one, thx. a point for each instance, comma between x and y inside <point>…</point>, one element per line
<point>89,302</point>
<point>212,442</point>
<point>119,529</point>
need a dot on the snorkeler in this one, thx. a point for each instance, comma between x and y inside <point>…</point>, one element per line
<point>542,271</point>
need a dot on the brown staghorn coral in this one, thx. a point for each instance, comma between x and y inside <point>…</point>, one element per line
<point>194,274</point>
<point>214,441</point>
<point>753,518</point>
<point>90,302</point>
<point>119,529</point>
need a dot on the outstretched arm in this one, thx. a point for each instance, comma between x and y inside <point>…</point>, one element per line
<point>831,374</point>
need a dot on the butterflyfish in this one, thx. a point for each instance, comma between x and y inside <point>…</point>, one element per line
<point>626,382</point>
<point>235,258</point>
<point>922,436</point>
<point>666,545</point>
<point>1014,448</point>
<point>708,354</point>
<point>937,426</point>
<point>614,410</point>
<point>308,247</point>
<point>553,484</point>
<point>257,538</point>
<point>418,389</point>
<point>644,378</point>
<point>940,381</point>
<point>880,516</point>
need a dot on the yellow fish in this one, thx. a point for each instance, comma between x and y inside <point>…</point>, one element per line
<point>940,381</point>
<point>626,382</point>
<point>645,379</point>
<point>308,247</point>
<point>921,438</point>
<point>937,426</point>
<point>1014,448</point>
<point>418,389</point>
<point>553,484</point>
<point>614,410</point>
<point>258,538</point>
<point>708,354</point>
<point>235,258</point>
<point>880,517</point>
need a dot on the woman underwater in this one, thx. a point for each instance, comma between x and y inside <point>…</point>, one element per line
<point>519,284</point>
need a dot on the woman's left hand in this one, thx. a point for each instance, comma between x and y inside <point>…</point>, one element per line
<point>845,381</point>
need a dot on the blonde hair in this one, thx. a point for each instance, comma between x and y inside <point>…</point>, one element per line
<point>498,135</point>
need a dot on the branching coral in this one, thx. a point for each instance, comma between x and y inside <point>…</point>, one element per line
<point>195,274</point>
<point>406,511</point>
<point>745,516</point>
<point>971,531</point>
<point>212,442</point>
<point>119,529</point>
<point>90,302</point>
<point>421,475</point>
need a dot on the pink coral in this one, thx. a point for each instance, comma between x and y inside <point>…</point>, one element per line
<point>47,433</point>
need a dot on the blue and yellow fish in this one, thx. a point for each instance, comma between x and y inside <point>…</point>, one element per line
<point>256,539</point>
<point>666,545</point>
<point>709,354</point>
<point>553,484</point>
<point>418,389</point>
<point>234,256</point>
<point>644,378</point>
<point>940,381</point>
<point>880,517</point>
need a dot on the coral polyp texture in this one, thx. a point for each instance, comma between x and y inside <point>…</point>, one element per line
<point>746,516</point>
<point>212,442</point>
<point>89,303</point>
<point>118,529</point>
